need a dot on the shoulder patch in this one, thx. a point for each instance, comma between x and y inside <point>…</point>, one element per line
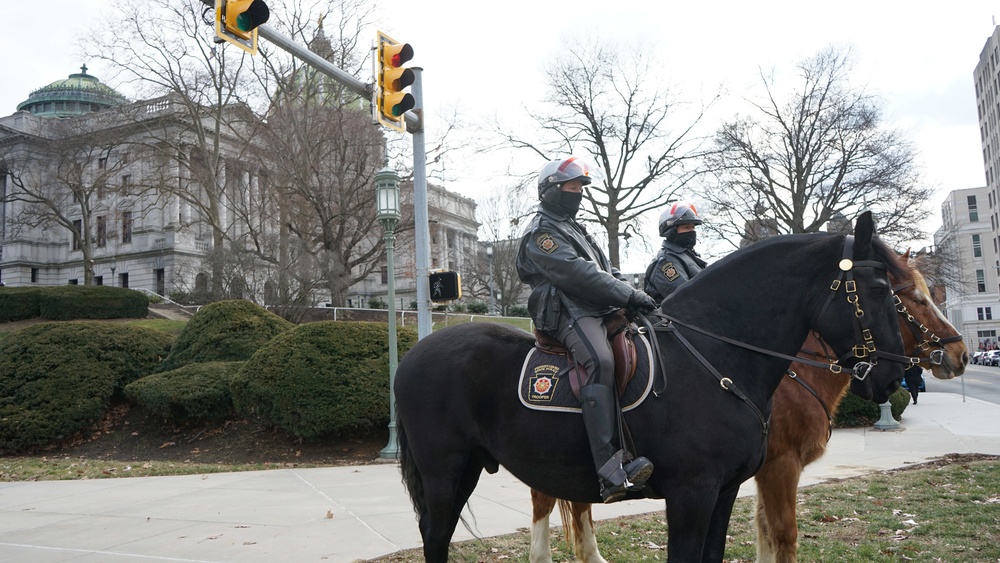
<point>546,244</point>
<point>669,271</point>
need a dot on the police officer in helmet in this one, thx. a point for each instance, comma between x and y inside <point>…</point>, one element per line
<point>573,286</point>
<point>677,262</point>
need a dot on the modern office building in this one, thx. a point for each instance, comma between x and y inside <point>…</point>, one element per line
<point>972,296</point>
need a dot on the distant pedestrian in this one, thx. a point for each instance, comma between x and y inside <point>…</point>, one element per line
<point>913,376</point>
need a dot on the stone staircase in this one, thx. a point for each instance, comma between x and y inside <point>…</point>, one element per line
<point>171,311</point>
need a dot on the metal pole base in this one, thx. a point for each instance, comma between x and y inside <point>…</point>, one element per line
<point>391,450</point>
<point>886,421</point>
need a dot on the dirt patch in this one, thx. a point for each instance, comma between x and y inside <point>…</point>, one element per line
<point>132,434</point>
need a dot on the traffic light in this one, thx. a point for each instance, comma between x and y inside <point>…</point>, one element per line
<point>391,102</point>
<point>445,286</point>
<point>236,21</point>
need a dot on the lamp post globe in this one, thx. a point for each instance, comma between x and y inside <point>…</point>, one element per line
<point>387,213</point>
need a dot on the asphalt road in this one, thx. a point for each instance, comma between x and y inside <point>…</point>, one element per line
<point>981,382</point>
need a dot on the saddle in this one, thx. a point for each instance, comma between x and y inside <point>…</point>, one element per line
<point>620,331</point>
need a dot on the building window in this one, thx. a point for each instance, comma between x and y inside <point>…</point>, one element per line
<point>126,226</point>
<point>123,280</point>
<point>127,184</point>
<point>77,228</point>
<point>973,209</point>
<point>34,275</point>
<point>984,313</point>
<point>74,282</point>
<point>981,281</point>
<point>102,163</point>
<point>102,231</point>
<point>986,333</point>
<point>977,246</point>
<point>98,280</point>
<point>385,274</point>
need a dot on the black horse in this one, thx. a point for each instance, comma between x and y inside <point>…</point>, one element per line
<point>459,413</point>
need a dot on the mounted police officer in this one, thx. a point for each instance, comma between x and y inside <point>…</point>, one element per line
<point>677,262</point>
<point>573,286</point>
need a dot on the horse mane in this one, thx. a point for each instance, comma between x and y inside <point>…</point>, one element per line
<point>882,252</point>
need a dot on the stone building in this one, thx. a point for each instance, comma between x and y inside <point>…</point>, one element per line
<point>111,222</point>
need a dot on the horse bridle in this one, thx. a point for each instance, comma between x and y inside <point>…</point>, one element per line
<point>923,335</point>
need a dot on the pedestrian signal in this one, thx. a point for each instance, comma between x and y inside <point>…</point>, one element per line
<point>445,286</point>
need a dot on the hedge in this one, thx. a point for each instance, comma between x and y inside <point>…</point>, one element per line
<point>224,331</point>
<point>58,378</point>
<point>322,378</point>
<point>19,303</point>
<point>69,302</point>
<point>855,411</point>
<point>192,393</point>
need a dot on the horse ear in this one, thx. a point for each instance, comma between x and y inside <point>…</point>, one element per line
<point>864,230</point>
<point>906,255</point>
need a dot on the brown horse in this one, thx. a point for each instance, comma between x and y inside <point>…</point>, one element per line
<point>803,410</point>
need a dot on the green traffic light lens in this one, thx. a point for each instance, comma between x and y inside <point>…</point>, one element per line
<point>244,21</point>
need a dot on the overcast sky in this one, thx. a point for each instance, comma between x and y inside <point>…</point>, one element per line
<point>490,56</point>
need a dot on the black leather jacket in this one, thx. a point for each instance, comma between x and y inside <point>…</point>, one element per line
<point>673,266</point>
<point>567,271</point>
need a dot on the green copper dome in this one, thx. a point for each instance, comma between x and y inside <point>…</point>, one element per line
<point>79,94</point>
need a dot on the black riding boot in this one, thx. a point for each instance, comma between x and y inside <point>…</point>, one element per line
<point>600,417</point>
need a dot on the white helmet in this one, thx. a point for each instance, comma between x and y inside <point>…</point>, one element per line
<point>679,213</point>
<point>556,173</point>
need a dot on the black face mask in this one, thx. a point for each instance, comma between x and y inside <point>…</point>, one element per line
<point>569,203</point>
<point>687,240</point>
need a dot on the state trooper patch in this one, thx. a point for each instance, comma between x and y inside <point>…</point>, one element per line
<point>669,271</point>
<point>546,244</point>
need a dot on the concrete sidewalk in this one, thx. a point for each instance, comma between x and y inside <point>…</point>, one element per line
<point>342,514</point>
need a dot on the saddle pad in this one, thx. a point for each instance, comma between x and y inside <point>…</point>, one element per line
<point>544,382</point>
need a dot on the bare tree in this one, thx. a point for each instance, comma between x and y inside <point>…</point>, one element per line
<point>821,152</point>
<point>501,218</point>
<point>204,92</point>
<point>605,101</point>
<point>70,182</point>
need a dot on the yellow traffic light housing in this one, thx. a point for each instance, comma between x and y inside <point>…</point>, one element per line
<point>391,102</point>
<point>236,22</point>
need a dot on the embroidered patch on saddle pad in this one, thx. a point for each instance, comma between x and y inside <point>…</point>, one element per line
<point>544,383</point>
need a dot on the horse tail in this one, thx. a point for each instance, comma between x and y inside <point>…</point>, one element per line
<point>568,524</point>
<point>408,467</point>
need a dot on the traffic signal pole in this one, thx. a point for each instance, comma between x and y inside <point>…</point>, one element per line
<point>414,126</point>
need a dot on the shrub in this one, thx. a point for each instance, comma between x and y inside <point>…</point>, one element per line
<point>192,393</point>
<point>68,302</point>
<point>478,308</point>
<point>855,411</point>
<point>58,378</point>
<point>19,303</point>
<point>518,311</point>
<point>321,378</point>
<point>376,303</point>
<point>224,331</point>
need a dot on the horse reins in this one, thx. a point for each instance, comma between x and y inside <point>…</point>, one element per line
<point>862,332</point>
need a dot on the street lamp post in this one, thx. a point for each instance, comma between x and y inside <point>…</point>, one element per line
<point>114,266</point>
<point>387,213</point>
<point>489,254</point>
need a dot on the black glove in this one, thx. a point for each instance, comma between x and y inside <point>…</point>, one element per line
<point>641,302</point>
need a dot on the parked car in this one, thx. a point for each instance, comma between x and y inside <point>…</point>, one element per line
<point>992,358</point>
<point>977,358</point>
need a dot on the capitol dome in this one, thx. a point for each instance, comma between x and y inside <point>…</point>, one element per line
<point>79,94</point>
